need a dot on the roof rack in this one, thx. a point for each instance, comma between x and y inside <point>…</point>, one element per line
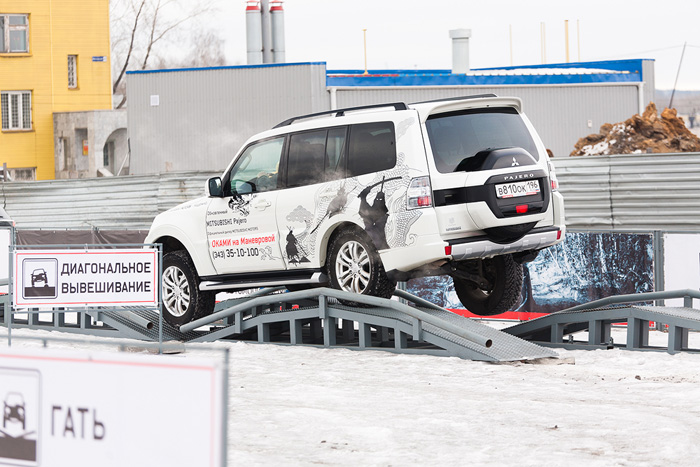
<point>341,112</point>
<point>446,99</point>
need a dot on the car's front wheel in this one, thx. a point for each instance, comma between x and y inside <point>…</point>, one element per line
<point>182,300</point>
<point>489,286</point>
<point>354,265</point>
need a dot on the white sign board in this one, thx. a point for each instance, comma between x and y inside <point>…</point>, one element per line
<point>86,409</point>
<point>681,264</point>
<point>85,277</point>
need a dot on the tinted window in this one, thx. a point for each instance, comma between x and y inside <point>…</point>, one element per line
<point>457,136</point>
<point>372,148</point>
<point>256,170</point>
<point>307,155</point>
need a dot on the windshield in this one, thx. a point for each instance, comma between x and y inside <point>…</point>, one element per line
<point>460,138</point>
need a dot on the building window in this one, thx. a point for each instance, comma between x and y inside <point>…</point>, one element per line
<point>72,72</point>
<point>22,175</point>
<point>16,110</point>
<point>14,33</point>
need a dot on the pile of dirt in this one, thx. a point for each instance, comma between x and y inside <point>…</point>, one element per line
<point>647,133</point>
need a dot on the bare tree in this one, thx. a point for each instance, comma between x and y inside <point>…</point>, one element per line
<point>207,50</point>
<point>141,28</point>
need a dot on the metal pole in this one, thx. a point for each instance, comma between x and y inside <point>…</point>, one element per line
<point>160,298</point>
<point>364,34</point>
<point>10,286</point>
<point>670,104</point>
<point>510,39</point>
<point>578,39</point>
<point>224,418</point>
<point>566,37</point>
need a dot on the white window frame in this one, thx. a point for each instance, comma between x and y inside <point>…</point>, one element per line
<point>7,28</point>
<point>72,72</point>
<point>8,111</point>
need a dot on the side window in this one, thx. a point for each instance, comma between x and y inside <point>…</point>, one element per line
<point>372,148</point>
<point>256,170</point>
<point>307,152</point>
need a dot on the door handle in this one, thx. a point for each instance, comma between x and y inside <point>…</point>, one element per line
<point>262,205</point>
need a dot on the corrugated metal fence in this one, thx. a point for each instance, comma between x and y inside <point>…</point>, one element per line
<point>644,192</point>
<point>114,203</point>
<point>612,193</point>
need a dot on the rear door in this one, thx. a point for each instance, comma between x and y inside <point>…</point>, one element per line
<point>314,193</point>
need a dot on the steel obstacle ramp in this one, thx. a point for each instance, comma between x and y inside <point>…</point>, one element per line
<point>331,318</point>
<point>598,317</point>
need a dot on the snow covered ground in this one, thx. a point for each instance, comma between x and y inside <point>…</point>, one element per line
<point>310,406</point>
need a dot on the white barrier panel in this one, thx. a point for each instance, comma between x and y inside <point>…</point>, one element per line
<point>85,277</point>
<point>681,264</point>
<point>5,242</point>
<point>87,409</point>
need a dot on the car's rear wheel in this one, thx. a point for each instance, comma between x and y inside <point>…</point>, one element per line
<point>182,300</point>
<point>500,281</point>
<point>354,265</point>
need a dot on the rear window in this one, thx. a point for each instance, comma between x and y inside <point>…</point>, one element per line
<point>458,136</point>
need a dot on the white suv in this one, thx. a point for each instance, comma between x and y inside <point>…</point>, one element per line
<point>361,198</point>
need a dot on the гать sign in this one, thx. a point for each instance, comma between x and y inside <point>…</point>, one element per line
<point>85,277</point>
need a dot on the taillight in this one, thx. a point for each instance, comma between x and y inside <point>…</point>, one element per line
<point>419,193</point>
<point>553,178</point>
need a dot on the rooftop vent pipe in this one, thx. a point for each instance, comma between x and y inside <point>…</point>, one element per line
<point>265,31</point>
<point>253,29</point>
<point>460,50</point>
<point>277,20</point>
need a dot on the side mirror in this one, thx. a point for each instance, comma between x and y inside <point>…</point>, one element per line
<point>215,188</point>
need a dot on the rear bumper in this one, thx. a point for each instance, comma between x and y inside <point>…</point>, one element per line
<point>482,247</point>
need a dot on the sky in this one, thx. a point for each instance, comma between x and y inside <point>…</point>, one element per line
<point>414,34</point>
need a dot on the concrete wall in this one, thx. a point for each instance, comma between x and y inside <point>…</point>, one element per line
<point>98,128</point>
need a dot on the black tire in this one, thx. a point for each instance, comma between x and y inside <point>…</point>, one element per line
<point>505,277</point>
<point>354,265</point>
<point>182,300</point>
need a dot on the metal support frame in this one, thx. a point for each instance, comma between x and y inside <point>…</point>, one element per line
<point>322,317</point>
<point>597,318</point>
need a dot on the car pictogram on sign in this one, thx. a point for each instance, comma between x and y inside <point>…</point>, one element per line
<point>14,410</point>
<point>39,275</point>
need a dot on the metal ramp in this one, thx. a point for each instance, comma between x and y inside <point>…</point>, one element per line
<point>322,317</point>
<point>316,317</point>
<point>597,318</point>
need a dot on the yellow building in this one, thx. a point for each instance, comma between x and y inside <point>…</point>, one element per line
<point>54,57</point>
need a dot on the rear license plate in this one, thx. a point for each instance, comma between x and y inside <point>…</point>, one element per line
<point>516,189</point>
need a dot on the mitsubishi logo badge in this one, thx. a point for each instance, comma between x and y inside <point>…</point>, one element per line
<point>515,163</point>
